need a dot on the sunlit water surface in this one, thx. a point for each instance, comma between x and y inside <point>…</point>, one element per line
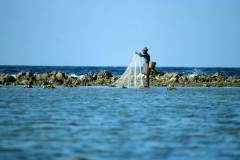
<point>114,123</point>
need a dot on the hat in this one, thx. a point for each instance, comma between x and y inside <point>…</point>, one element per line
<point>145,49</point>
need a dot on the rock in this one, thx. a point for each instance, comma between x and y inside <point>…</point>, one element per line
<point>234,81</point>
<point>26,86</point>
<point>202,78</point>
<point>52,79</point>
<point>217,74</point>
<point>104,74</point>
<point>67,85</point>
<point>141,86</point>
<point>68,76</point>
<point>9,78</point>
<point>2,80</point>
<point>24,82</point>
<point>48,86</point>
<point>115,78</point>
<point>38,77</point>
<point>56,84</point>
<point>59,76</point>
<point>173,79</point>
<point>29,74</point>
<point>20,74</point>
<point>192,77</point>
<point>171,88</point>
<point>77,158</point>
<point>67,82</point>
<point>155,73</point>
<point>182,79</point>
<point>158,77</point>
<point>206,85</point>
<point>88,77</point>
<point>94,77</point>
<point>54,73</point>
<point>104,78</point>
<point>44,76</point>
<point>168,76</point>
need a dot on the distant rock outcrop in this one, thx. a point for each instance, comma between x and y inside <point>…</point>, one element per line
<point>105,78</point>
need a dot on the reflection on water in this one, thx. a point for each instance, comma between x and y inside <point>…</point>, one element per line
<point>114,123</point>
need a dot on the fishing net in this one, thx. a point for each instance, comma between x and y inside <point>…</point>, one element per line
<point>132,77</point>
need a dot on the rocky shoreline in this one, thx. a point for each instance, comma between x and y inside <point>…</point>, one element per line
<point>105,78</point>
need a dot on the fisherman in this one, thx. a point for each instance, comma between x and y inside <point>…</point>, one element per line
<point>146,70</point>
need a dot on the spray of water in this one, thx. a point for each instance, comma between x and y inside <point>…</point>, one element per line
<point>194,72</point>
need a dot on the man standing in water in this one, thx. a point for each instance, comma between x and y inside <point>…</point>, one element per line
<point>146,70</point>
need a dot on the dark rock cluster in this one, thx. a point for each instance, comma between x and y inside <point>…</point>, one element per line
<point>57,78</point>
<point>159,78</point>
<point>104,78</point>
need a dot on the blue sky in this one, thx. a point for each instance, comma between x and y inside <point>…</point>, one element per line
<point>189,33</point>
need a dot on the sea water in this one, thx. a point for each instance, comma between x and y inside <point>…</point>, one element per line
<point>114,123</point>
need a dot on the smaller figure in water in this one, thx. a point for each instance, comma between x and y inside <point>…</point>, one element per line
<point>146,70</point>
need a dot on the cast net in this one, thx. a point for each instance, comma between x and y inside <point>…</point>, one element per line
<point>132,77</point>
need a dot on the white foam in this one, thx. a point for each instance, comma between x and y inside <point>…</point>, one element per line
<point>81,76</point>
<point>74,75</point>
<point>195,72</point>
<point>192,75</point>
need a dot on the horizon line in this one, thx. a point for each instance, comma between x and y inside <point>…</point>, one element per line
<point>119,66</point>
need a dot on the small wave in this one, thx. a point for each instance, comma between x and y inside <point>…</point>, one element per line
<point>193,72</point>
<point>74,75</point>
<point>81,76</point>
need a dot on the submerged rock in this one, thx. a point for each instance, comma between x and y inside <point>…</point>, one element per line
<point>27,86</point>
<point>77,158</point>
<point>111,85</point>
<point>171,88</point>
<point>141,86</point>
<point>48,86</point>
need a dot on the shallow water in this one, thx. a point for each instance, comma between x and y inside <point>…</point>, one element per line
<point>115,123</point>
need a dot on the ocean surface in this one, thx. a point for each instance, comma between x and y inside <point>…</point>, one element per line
<point>99,123</point>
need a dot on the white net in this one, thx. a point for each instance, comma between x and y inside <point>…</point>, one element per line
<point>132,77</point>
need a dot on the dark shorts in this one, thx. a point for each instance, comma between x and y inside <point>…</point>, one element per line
<point>146,70</point>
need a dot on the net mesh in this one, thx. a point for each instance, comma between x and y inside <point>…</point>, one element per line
<point>132,77</point>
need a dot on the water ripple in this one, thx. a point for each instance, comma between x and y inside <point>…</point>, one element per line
<point>113,123</point>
